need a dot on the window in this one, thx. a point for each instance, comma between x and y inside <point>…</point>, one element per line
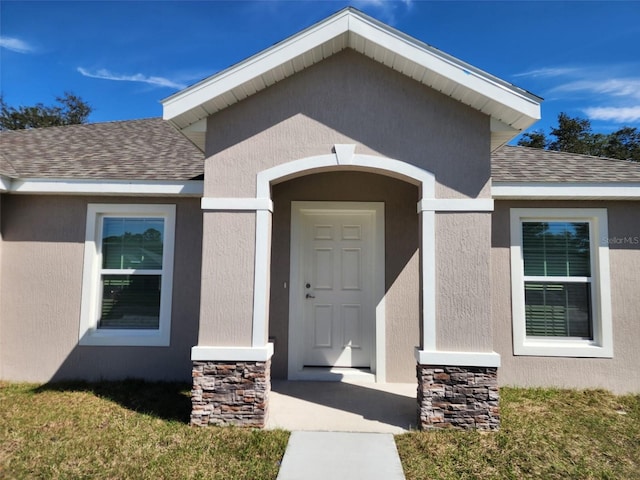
<point>560,282</point>
<point>128,269</point>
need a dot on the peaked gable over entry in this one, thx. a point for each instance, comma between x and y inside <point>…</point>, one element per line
<point>510,108</point>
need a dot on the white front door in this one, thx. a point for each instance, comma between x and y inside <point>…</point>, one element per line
<point>334,257</point>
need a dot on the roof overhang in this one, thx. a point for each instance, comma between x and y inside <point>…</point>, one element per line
<point>511,109</point>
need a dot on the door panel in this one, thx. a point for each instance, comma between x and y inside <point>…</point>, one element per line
<point>338,309</point>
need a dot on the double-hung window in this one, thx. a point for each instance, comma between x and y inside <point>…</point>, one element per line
<point>560,282</point>
<point>128,270</point>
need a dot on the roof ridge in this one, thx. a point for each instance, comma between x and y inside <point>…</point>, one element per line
<point>79,125</point>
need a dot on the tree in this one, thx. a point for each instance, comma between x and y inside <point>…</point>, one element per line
<point>70,110</point>
<point>574,135</point>
<point>624,143</point>
<point>535,139</point>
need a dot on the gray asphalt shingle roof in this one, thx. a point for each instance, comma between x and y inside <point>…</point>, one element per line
<point>523,164</point>
<point>151,149</point>
<point>148,149</point>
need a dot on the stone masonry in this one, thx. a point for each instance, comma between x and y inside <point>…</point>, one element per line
<point>230,393</point>
<point>458,397</point>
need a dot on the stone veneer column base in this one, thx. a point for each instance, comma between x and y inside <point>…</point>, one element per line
<point>230,393</point>
<point>458,397</point>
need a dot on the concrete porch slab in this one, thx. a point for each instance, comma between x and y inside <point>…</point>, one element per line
<point>342,406</point>
<point>341,455</point>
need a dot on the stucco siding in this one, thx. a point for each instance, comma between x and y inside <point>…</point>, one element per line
<point>618,374</point>
<point>228,256</point>
<point>348,98</point>
<point>463,282</point>
<point>401,259</point>
<point>41,278</point>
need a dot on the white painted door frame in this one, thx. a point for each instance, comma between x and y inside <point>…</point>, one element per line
<point>296,297</point>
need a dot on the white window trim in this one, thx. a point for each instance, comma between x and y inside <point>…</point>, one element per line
<point>602,343</point>
<point>89,333</point>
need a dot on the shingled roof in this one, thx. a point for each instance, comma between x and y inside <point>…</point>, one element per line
<point>148,149</point>
<point>151,149</point>
<point>523,164</point>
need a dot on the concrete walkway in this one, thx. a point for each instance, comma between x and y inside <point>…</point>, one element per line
<point>341,455</point>
<point>342,406</point>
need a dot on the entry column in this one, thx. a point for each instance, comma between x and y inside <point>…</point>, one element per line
<point>456,366</point>
<point>232,361</point>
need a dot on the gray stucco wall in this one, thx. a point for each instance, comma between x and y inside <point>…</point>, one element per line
<point>348,99</point>
<point>41,279</point>
<point>463,282</point>
<point>618,374</point>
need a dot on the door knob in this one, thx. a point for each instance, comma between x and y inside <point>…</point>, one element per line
<point>310,296</point>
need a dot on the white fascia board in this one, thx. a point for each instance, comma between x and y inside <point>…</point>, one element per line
<point>457,359</point>
<point>232,354</point>
<point>458,72</point>
<point>255,66</point>
<point>565,191</point>
<point>462,74</point>
<point>189,188</point>
<point>5,184</point>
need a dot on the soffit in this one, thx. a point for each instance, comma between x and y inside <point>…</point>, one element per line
<point>511,109</point>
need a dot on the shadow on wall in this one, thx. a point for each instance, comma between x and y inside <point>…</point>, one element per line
<point>168,401</point>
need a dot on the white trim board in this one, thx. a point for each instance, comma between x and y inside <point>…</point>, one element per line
<point>232,354</point>
<point>5,184</point>
<point>460,359</point>
<point>189,188</point>
<point>565,191</point>
<point>249,204</point>
<point>455,205</point>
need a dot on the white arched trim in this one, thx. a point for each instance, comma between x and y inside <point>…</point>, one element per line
<point>340,160</point>
<point>344,158</point>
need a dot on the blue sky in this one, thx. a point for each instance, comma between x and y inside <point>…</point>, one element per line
<point>123,57</point>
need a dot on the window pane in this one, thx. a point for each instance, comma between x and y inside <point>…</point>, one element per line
<point>132,243</point>
<point>556,249</point>
<point>558,309</point>
<point>130,301</point>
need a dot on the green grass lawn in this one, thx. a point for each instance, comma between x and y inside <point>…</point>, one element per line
<point>546,434</point>
<point>124,430</point>
<point>139,430</point>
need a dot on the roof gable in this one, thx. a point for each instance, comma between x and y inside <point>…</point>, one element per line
<point>511,109</point>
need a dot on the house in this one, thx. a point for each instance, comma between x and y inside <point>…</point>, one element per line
<point>339,206</point>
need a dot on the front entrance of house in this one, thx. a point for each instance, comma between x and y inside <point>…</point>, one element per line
<point>336,294</point>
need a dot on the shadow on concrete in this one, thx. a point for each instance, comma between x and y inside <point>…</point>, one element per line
<point>341,406</point>
<point>165,400</point>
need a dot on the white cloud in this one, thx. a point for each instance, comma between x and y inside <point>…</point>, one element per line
<point>15,45</point>
<point>386,9</point>
<point>615,114</point>
<point>617,87</point>
<point>105,74</point>
<point>547,72</point>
